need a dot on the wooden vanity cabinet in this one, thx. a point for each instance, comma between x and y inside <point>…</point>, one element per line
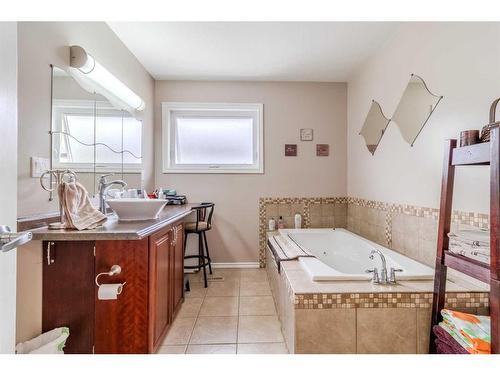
<point>139,319</point>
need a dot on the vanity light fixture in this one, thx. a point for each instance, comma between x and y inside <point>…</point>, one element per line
<point>95,78</point>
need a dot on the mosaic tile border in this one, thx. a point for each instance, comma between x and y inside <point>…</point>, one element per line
<point>477,220</point>
<point>388,300</point>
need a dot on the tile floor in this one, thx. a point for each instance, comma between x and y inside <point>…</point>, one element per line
<point>233,316</point>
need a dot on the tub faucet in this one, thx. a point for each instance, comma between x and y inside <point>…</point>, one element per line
<point>103,190</point>
<point>383,272</point>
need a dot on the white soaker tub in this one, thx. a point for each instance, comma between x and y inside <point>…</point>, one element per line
<point>343,255</point>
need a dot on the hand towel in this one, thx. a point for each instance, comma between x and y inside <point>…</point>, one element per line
<point>445,343</point>
<point>78,210</point>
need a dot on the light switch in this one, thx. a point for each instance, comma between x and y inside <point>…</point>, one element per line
<point>38,166</point>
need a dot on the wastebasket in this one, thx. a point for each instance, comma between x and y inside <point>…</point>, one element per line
<point>51,342</point>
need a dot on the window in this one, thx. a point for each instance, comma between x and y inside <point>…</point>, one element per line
<point>73,126</point>
<point>212,138</point>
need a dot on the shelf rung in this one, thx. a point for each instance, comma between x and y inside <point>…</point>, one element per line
<point>470,267</point>
<point>478,154</point>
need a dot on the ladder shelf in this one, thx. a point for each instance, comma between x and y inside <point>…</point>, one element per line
<point>487,153</point>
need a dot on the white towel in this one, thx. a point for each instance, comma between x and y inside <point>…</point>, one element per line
<point>77,208</point>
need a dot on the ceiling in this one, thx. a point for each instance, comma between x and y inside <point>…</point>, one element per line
<point>257,51</point>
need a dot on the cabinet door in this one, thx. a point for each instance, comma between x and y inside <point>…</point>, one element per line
<point>160,287</point>
<point>179,266</point>
<point>68,292</point>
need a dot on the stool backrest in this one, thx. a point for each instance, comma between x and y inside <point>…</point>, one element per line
<point>204,213</point>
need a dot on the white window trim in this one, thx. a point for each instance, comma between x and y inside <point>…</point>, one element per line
<point>168,108</point>
<point>82,107</point>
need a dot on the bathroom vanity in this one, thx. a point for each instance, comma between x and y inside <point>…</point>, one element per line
<point>150,254</point>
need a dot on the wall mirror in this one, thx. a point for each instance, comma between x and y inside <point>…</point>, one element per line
<point>374,126</point>
<point>91,136</point>
<point>414,109</point>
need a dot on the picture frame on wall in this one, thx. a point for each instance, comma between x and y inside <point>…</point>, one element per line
<point>322,149</point>
<point>306,134</point>
<point>290,150</point>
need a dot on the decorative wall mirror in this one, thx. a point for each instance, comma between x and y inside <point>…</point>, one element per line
<point>414,109</point>
<point>91,136</point>
<point>374,126</point>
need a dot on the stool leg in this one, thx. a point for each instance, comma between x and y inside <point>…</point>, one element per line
<point>208,254</point>
<point>202,260</point>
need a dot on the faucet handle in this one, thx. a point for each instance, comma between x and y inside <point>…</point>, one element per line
<point>392,276</point>
<point>103,177</point>
<point>375,277</point>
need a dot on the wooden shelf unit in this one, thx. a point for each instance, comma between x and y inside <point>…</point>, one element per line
<point>478,154</point>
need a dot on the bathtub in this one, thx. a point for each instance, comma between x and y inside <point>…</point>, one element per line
<point>342,255</point>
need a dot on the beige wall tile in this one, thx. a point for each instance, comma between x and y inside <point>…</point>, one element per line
<point>327,209</point>
<point>315,209</point>
<point>340,209</point>
<point>316,221</point>
<point>340,221</point>
<point>423,330</point>
<point>272,209</point>
<point>386,331</point>
<point>428,228</point>
<point>325,331</point>
<point>284,209</point>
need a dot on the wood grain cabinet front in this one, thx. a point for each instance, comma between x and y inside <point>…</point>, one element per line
<point>135,322</point>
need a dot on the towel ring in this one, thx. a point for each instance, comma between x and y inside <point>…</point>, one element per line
<point>59,176</point>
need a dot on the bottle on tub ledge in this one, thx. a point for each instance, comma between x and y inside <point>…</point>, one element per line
<point>298,221</point>
<point>272,225</point>
<point>281,223</point>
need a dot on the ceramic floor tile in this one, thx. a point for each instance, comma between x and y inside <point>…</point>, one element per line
<point>255,329</point>
<point>180,331</point>
<point>212,349</point>
<point>215,330</point>
<point>198,290</point>
<point>251,288</point>
<point>172,349</point>
<point>263,348</point>
<point>257,305</point>
<point>219,306</point>
<point>254,275</point>
<point>227,288</point>
<point>190,308</point>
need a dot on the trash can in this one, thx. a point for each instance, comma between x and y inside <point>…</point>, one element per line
<point>51,342</point>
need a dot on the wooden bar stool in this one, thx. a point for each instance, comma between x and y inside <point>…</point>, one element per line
<point>203,223</point>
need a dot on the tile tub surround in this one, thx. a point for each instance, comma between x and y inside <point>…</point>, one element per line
<point>359,317</point>
<point>410,230</point>
<point>235,315</point>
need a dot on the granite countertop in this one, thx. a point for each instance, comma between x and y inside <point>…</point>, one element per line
<point>114,229</point>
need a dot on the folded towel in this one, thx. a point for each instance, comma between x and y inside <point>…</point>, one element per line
<point>445,343</point>
<point>474,244</point>
<point>472,332</point>
<point>77,208</point>
<point>287,249</point>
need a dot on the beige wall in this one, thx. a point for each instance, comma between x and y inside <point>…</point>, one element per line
<point>43,43</point>
<point>287,108</point>
<point>458,60</point>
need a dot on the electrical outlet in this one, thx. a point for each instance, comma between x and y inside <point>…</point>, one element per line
<point>38,166</point>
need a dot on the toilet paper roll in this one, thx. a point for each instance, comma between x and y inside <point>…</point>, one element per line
<point>109,291</point>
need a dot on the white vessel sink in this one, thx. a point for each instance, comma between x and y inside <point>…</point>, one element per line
<point>133,209</point>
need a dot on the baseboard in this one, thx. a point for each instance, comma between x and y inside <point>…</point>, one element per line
<point>236,265</point>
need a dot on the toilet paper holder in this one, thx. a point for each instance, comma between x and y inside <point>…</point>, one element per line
<point>114,270</point>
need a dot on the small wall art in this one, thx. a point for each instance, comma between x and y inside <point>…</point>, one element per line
<point>306,134</point>
<point>322,150</point>
<point>290,150</point>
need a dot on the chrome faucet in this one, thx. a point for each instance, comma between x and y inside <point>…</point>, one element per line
<point>103,189</point>
<point>382,279</point>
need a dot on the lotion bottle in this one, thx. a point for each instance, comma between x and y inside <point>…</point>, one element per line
<point>272,225</point>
